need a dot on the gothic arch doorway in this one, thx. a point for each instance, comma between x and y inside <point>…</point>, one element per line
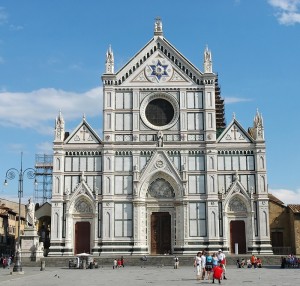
<point>160,233</point>
<point>237,235</point>
<point>82,237</point>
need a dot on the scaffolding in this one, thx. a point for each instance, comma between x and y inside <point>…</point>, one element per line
<point>44,168</point>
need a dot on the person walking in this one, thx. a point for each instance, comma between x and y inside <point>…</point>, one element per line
<point>198,265</point>
<point>209,265</point>
<point>222,260</point>
<point>217,274</point>
<point>176,262</point>
<point>203,264</point>
<point>115,264</point>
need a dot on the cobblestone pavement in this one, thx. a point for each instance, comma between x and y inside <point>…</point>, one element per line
<point>150,275</point>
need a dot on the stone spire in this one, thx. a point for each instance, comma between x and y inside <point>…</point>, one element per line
<point>257,131</point>
<point>59,128</point>
<point>259,126</point>
<point>109,63</point>
<point>207,61</point>
<point>158,30</point>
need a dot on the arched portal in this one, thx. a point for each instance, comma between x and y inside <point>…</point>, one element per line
<point>160,206</point>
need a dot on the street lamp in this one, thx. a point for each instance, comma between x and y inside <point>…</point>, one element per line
<point>10,175</point>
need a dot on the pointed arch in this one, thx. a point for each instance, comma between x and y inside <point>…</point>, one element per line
<point>175,184</point>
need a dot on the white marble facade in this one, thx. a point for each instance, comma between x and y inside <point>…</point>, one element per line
<point>162,178</point>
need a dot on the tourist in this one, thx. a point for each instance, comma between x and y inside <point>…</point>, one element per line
<point>217,274</point>
<point>222,260</point>
<point>253,261</point>
<point>176,262</point>
<point>249,264</point>
<point>209,265</point>
<point>258,263</point>
<point>115,264</point>
<point>215,260</point>
<point>203,259</point>
<point>198,265</point>
<point>122,261</point>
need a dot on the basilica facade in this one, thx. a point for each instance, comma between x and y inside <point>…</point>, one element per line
<point>167,176</point>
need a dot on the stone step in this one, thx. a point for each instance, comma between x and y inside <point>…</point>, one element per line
<point>152,260</point>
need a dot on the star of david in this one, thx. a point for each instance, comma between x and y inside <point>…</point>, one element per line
<point>159,70</point>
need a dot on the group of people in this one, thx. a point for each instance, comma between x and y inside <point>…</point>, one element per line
<point>252,262</point>
<point>118,263</point>
<point>211,266</point>
<point>290,261</point>
<point>6,261</point>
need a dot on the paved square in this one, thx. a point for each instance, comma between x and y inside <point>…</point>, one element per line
<point>160,276</point>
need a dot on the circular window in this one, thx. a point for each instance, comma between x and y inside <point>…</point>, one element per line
<point>159,111</point>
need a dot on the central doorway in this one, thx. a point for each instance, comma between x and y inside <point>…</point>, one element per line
<point>160,233</point>
<point>238,235</point>
<point>82,237</point>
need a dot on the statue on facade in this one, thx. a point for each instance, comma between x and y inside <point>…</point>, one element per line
<point>160,138</point>
<point>30,218</point>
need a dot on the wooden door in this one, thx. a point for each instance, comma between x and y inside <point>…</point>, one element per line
<point>82,237</point>
<point>160,233</point>
<point>238,235</point>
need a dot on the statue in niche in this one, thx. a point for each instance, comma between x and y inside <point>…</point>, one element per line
<point>160,138</point>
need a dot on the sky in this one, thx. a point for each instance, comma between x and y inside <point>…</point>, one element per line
<point>52,56</point>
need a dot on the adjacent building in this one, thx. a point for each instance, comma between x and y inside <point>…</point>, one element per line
<point>167,175</point>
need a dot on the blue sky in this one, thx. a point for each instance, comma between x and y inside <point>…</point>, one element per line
<point>52,55</point>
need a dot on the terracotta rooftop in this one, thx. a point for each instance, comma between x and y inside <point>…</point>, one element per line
<point>275,200</point>
<point>295,208</point>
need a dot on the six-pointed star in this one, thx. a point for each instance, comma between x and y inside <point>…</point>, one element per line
<point>159,70</point>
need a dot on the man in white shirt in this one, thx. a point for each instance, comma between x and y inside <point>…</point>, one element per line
<point>222,260</point>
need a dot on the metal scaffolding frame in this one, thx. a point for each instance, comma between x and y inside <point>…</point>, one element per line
<point>44,169</point>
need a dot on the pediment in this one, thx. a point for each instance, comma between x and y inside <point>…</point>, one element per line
<point>159,69</point>
<point>82,189</point>
<point>236,189</point>
<point>159,62</point>
<point>235,133</point>
<point>160,162</point>
<point>83,134</point>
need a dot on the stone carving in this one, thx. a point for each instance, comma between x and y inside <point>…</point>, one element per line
<point>30,218</point>
<point>160,188</point>
<point>160,139</point>
<point>83,206</point>
<point>236,205</point>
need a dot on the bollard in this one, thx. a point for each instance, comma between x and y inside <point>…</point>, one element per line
<point>83,264</point>
<point>43,264</point>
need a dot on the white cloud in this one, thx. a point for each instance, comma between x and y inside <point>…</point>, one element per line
<point>37,108</point>
<point>3,16</point>
<point>45,147</point>
<point>16,27</point>
<point>229,100</point>
<point>287,11</point>
<point>287,196</point>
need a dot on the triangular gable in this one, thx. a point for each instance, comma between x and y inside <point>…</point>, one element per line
<point>82,189</point>
<point>83,134</point>
<point>237,189</point>
<point>159,69</point>
<point>159,62</point>
<point>159,162</point>
<point>234,133</point>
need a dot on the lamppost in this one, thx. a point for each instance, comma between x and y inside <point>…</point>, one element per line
<point>10,175</point>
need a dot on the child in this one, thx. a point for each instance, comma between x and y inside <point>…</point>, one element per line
<point>115,264</point>
<point>218,272</point>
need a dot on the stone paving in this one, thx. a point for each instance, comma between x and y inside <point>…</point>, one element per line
<point>149,275</point>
